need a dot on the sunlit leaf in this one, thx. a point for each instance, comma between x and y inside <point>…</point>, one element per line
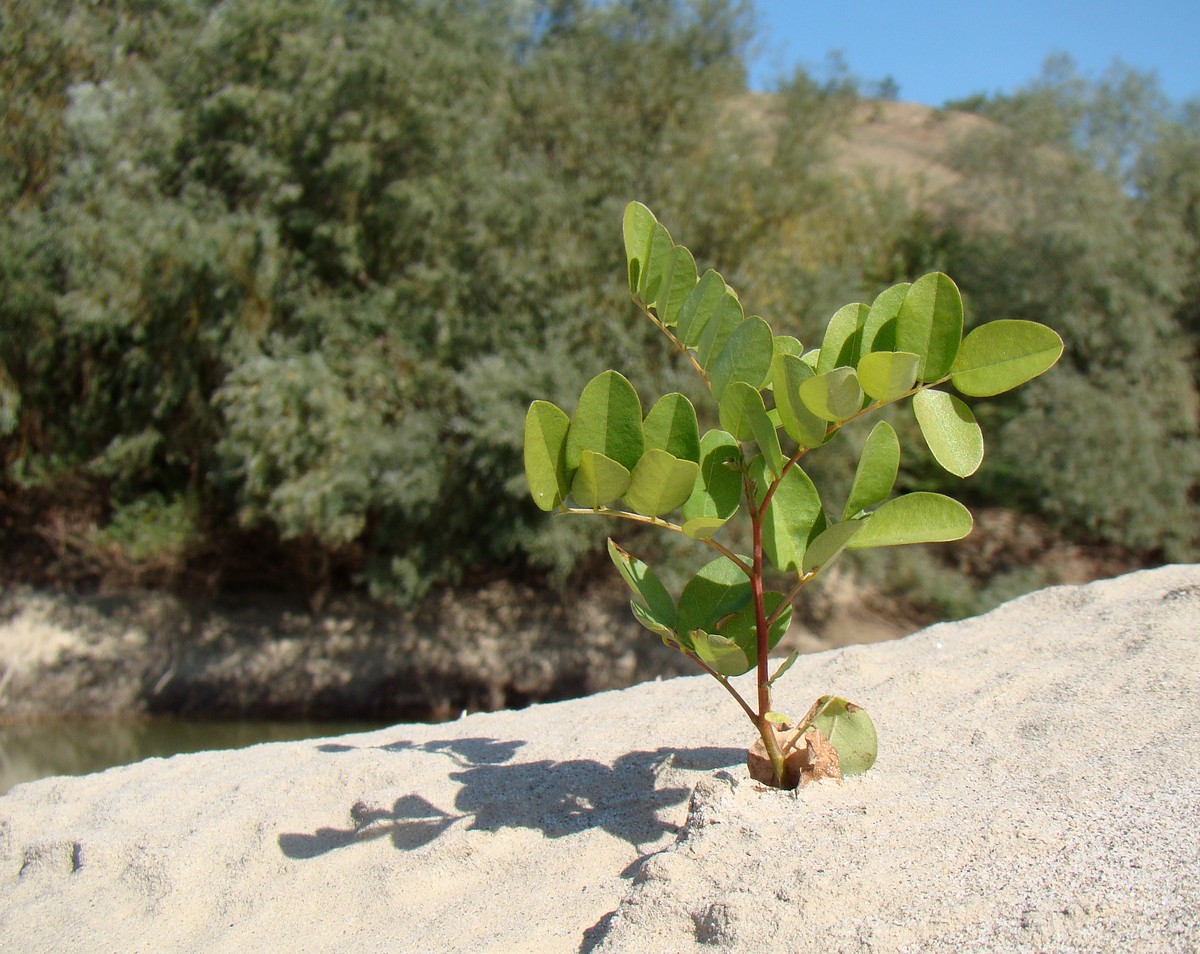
<point>660,482</point>
<point>637,227</point>
<point>794,509</point>
<point>679,278</point>
<point>656,626</point>
<point>929,324</point>
<point>876,472</point>
<point>843,338</point>
<point>920,517</point>
<point>699,307</point>
<point>849,730</point>
<point>788,373</point>
<point>879,327</point>
<point>546,454</point>
<point>726,317</point>
<point>608,421</point>
<point>745,357</point>
<point>599,480</point>
<point>1001,355</point>
<point>742,627</point>
<point>828,545</point>
<point>721,653</point>
<point>671,426</point>
<point>834,395</point>
<point>950,430</point>
<point>888,375</point>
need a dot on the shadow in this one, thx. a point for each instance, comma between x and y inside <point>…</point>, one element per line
<point>555,798</point>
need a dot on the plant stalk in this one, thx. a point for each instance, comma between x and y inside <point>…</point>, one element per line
<point>763,633</point>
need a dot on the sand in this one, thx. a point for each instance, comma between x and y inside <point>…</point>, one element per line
<point>1037,789</point>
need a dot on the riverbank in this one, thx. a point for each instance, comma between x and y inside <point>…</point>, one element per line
<point>1035,790</point>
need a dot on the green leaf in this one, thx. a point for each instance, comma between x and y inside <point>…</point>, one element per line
<point>671,426</point>
<point>607,421</point>
<point>849,730</point>
<point>920,517</point>
<point>679,279</point>
<point>929,323</point>
<point>599,480</point>
<point>545,454</point>
<point>950,431</point>
<point>876,472</point>
<point>645,585</point>
<point>637,226</point>
<point>744,415</point>
<point>742,627</point>
<point>834,395</point>
<point>658,260</point>
<point>879,327</point>
<point>843,338</point>
<point>795,508</point>
<point>660,482</point>
<point>830,543</point>
<point>719,589</point>
<point>656,626</point>
<point>745,357</point>
<point>788,373</point>
<point>721,653</point>
<point>717,492</point>
<point>1001,355</point>
<point>725,319</point>
<point>888,375</point>
<point>784,667</point>
<point>699,307</point>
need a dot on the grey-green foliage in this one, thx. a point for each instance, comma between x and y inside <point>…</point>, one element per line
<point>775,403</point>
<point>1061,215</point>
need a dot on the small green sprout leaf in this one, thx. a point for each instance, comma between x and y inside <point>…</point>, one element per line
<point>778,718</point>
<point>920,517</point>
<point>876,472</point>
<point>1001,355</point>
<point>546,454</point>
<point>950,430</point>
<point>849,730</point>
<point>784,667</point>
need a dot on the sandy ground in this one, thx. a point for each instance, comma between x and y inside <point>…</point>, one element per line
<point>1037,789</point>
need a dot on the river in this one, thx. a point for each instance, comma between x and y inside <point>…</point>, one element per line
<point>30,752</point>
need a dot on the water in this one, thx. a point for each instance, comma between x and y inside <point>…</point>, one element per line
<point>30,752</point>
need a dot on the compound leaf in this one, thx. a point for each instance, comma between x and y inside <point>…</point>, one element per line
<point>1001,355</point>
<point>920,517</point>
<point>546,454</point>
<point>950,430</point>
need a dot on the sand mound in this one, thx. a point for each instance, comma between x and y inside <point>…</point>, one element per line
<point>1036,789</point>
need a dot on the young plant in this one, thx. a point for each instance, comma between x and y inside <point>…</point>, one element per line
<point>775,403</point>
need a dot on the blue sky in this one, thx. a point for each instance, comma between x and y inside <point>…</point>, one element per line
<point>938,50</point>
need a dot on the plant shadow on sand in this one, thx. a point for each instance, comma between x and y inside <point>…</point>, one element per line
<point>555,798</point>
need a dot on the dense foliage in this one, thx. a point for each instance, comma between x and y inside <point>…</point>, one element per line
<point>285,274</point>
